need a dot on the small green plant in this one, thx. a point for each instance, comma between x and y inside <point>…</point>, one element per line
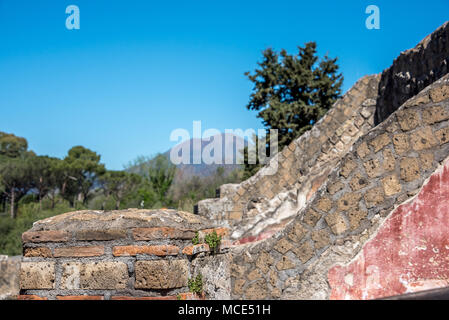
<point>196,284</point>
<point>196,238</point>
<point>178,297</point>
<point>213,240</point>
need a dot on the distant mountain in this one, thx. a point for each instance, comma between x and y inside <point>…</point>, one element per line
<point>198,149</point>
<point>197,164</point>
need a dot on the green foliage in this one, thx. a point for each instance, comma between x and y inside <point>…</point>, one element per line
<point>196,238</point>
<point>213,240</point>
<point>291,92</point>
<point>161,174</point>
<point>188,192</point>
<point>11,229</point>
<point>12,146</point>
<point>118,184</point>
<point>80,170</point>
<point>196,284</point>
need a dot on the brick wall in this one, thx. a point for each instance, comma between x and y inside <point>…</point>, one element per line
<point>130,254</point>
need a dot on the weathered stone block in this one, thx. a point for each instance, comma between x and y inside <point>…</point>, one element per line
<point>355,217</point>
<point>106,275</point>
<point>90,251</point>
<point>410,169</point>
<point>297,232</point>
<point>391,185</point>
<point>42,252</point>
<point>256,291</point>
<point>433,115</point>
<point>379,142</point>
<point>311,217</point>
<point>321,238</point>
<point>157,250</point>
<point>400,142</point>
<point>45,236</point>
<point>336,223</point>
<point>358,182</point>
<point>363,150</point>
<point>161,274</point>
<point>374,197</point>
<point>264,261</point>
<point>283,246</point>
<point>37,275</point>
<point>285,263</point>
<point>253,275</point>
<point>443,135</point>
<point>426,161</point>
<point>347,167</point>
<point>195,249</point>
<point>388,160</point>
<point>423,139</point>
<point>335,187</point>
<point>304,252</point>
<point>373,168</point>
<point>99,235</point>
<point>324,204</point>
<point>408,119</point>
<point>439,94</point>
<point>142,234</point>
<point>349,201</point>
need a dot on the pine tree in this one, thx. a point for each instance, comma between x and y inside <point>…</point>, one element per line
<point>292,92</point>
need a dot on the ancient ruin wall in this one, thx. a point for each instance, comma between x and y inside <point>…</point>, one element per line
<point>412,71</point>
<point>383,169</point>
<point>409,252</point>
<point>119,255</point>
<point>266,200</point>
<point>9,276</point>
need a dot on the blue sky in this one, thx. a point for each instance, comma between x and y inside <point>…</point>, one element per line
<point>136,70</point>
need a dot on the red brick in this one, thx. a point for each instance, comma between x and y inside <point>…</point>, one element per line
<point>100,235</point>
<point>80,297</point>
<point>45,236</point>
<point>161,233</point>
<point>220,231</point>
<point>195,249</point>
<point>92,251</point>
<point>42,252</point>
<point>158,250</point>
<point>30,297</point>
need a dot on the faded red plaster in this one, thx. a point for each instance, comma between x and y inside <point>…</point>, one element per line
<point>409,253</point>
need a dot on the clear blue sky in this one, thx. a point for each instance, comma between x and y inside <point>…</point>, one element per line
<point>136,70</point>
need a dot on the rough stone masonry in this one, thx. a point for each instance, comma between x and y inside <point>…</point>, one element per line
<point>118,255</point>
<point>357,210</point>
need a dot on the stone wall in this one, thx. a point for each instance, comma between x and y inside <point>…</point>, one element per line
<point>412,71</point>
<point>263,204</point>
<point>117,255</point>
<point>413,258</point>
<point>383,169</point>
<point>9,277</point>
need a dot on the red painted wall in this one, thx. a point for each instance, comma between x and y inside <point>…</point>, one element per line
<point>409,253</point>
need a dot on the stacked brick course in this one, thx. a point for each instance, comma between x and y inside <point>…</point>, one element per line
<point>130,254</point>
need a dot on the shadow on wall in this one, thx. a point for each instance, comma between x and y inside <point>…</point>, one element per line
<point>412,71</point>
